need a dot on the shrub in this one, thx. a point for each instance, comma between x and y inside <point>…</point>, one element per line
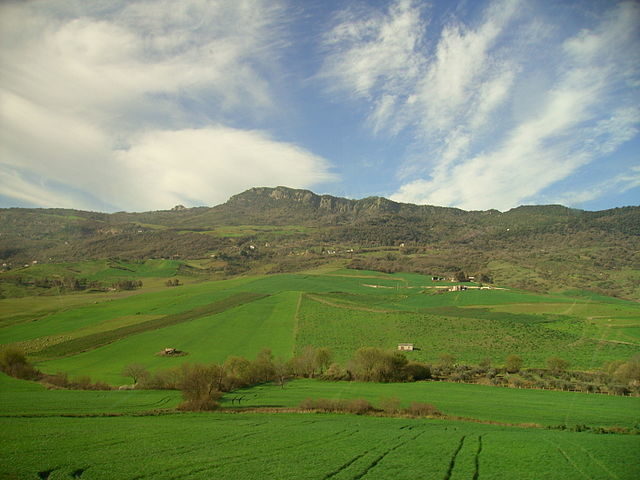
<point>513,364</point>
<point>358,406</point>
<point>420,409</point>
<point>418,371</point>
<point>14,363</point>
<point>336,372</point>
<point>390,405</point>
<point>557,365</point>
<point>199,385</point>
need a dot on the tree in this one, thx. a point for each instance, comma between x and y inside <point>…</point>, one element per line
<point>557,364</point>
<point>446,360</point>
<point>460,276</point>
<point>14,363</point>
<point>513,363</point>
<point>323,359</point>
<point>136,371</point>
<point>485,363</point>
<point>282,370</point>
<point>199,387</point>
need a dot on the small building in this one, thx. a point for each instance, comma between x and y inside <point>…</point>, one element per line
<point>437,279</point>
<point>170,351</point>
<point>457,288</point>
<point>405,346</point>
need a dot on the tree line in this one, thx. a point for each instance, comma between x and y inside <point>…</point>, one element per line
<point>202,385</point>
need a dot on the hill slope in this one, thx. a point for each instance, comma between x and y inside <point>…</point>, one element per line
<point>534,247</point>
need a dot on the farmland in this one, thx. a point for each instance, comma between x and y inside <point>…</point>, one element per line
<point>519,406</point>
<point>259,432</point>
<point>343,310</point>
<point>323,446</point>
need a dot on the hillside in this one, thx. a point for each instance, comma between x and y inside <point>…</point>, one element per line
<point>280,229</point>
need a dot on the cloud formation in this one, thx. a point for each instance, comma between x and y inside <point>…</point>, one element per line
<point>124,103</point>
<point>492,127</point>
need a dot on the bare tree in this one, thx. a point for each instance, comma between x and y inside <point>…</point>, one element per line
<point>136,371</point>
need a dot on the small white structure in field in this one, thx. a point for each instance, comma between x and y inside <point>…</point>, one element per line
<point>405,346</point>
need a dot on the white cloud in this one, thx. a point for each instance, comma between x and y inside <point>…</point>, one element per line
<point>482,147</point>
<point>207,166</point>
<point>374,56</point>
<point>85,86</point>
<point>618,184</point>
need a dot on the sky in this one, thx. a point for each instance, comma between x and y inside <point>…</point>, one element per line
<point>115,105</point>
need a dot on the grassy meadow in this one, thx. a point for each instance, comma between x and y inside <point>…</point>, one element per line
<point>309,446</point>
<point>480,402</point>
<point>55,434</point>
<point>98,334</point>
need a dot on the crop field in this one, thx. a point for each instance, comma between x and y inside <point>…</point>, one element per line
<point>54,434</point>
<point>243,330</point>
<point>519,406</point>
<point>21,398</point>
<point>97,334</point>
<point>303,446</point>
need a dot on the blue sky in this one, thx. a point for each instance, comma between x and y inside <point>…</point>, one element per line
<point>142,105</point>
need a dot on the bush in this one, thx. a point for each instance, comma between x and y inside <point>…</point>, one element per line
<point>513,364</point>
<point>14,363</point>
<point>200,387</point>
<point>358,406</point>
<point>336,372</point>
<point>418,371</point>
<point>390,405</point>
<point>419,409</point>
<point>557,365</point>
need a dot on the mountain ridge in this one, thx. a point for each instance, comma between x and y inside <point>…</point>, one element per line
<point>300,227</point>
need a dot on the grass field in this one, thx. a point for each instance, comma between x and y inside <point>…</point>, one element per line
<point>244,330</point>
<point>97,334</point>
<point>299,446</point>
<point>498,404</point>
<point>21,398</point>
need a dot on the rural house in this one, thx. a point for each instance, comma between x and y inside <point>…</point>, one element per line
<point>405,346</point>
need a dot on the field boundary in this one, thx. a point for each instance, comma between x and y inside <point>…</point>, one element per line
<point>95,340</point>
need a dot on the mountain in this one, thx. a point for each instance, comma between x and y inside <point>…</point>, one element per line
<point>528,246</point>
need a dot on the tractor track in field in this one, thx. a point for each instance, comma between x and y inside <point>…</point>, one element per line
<point>345,306</point>
<point>568,460</point>
<point>345,466</point>
<point>476,460</point>
<point>381,457</point>
<point>452,462</point>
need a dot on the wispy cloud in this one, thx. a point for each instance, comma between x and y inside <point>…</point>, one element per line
<point>83,82</point>
<point>461,99</point>
<point>618,184</point>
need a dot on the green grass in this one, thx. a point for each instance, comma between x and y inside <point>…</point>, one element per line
<point>459,332</point>
<point>95,340</point>
<point>288,446</point>
<point>22,398</point>
<point>339,309</point>
<point>244,330</point>
<point>498,404</point>
<point>92,310</point>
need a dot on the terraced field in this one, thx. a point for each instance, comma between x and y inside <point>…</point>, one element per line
<point>97,334</point>
<point>139,434</point>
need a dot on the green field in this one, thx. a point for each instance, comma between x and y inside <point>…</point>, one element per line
<point>119,434</point>
<point>295,446</point>
<point>21,398</point>
<point>97,334</point>
<point>497,404</point>
<point>58,434</point>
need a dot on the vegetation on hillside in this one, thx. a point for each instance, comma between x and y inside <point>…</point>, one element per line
<point>539,248</point>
